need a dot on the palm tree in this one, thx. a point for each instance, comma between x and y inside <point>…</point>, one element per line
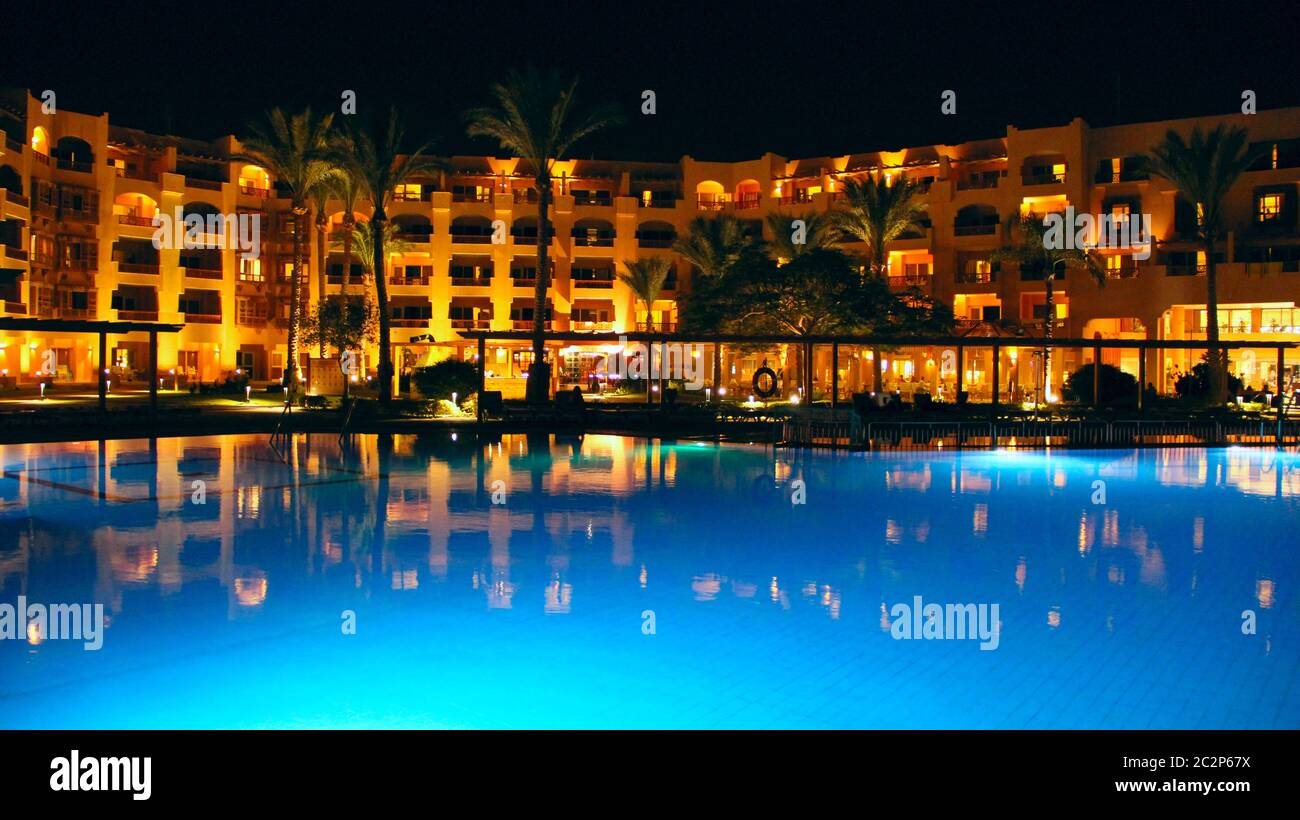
<point>713,245</point>
<point>1036,254</point>
<point>876,214</point>
<point>534,117</point>
<point>294,149</point>
<point>819,234</point>
<point>320,196</point>
<point>361,241</point>
<point>646,279</point>
<point>375,160</point>
<point>1203,169</point>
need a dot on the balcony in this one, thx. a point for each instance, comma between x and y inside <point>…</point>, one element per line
<point>592,327</point>
<point>594,283</point>
<point>17,254</point>
<point>254,190</point>
<point>202,184</point>
<point>471,196</point>
<point>913,280</point>
<point>976,277</point>
<point>527,324</point>
<point>977,183</point>
<point>471,238</point>
<point>657,202</point>
<point>73,165</point>
<point>524,196</point>
<point>405,322</point>
<point>414,236</point>
<point>1185,270</point>
<point>1029,180</point>
<point>150,268</point>
<point>1126,270</point>
<point>748,203</point>
<point>593,199</point>
<point>42,159</point>
<point>422,279</point>
<point>201,273</point>
<point>523,282</point>
<point>589,241</point>
<point>711,202</point>
<point>136,220</point>
<point>340,279</point>
<point>17,199</point>
<point>471,281</point>
<point>975,230</point>
<point>13,145</point>
<point>471,324</point>
<point>15,307</point>
<point>137,315</point>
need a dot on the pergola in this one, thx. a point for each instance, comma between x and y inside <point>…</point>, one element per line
<point>959,343</point>
<point>103,328</point>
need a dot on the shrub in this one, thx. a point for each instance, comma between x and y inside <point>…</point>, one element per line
<point>449,376</point>
<point>1195,384</point>
<point>1116,385</point>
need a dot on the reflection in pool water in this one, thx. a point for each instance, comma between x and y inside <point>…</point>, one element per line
<point>632,582</point>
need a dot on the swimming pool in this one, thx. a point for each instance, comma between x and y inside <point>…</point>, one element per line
<point>617,582</point>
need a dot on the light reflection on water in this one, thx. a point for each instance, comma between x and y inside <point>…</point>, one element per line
<point>531,612</point>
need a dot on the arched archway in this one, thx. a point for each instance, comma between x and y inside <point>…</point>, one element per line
<point>74,154</point>
<point>748,194</point>
<point>976,220</point>
<point>41,141</point>
<point>134,209</point>
<point>710,195</point>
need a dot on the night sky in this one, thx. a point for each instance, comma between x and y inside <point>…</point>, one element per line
<point>732,80</point>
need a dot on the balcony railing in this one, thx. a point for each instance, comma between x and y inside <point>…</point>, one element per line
<point>1184,270</point>
<point>655,242</point>
<point>976,277</point>
<point>73,165</point>
<point>471,238</point>
<point>203,273</point>
<point>407,322</point>
<point>43,159</point>
<point>588,241</point>
<point>976,183</point>
<point>15,307</point>
<point>422,279</point>
<point>592,201</point>
<point>471,324</point>
<point>415,236</point>
<point>471,281</point>
<point>527,324</point>
<point>914,280</point>
<point>975,230</point>
<point>524,196</point>
<point>15,253</point>
<point>17,199</point>
<point>1127,270</point>
<point>204,184</point>
<point>592,327</point>
<point>523,282</point>
<point>471,196</point>
<point>1042,179</point>
<point>138,267</point>
<point>254,190</point>
<point>339,279</point>
<point>711,202</point>
<point>593,283</point>
<point>203,318</point>
<point>135,219</point>
<point>13,145</point>
<point>748,203</point>
<point>660,202</point>
<point>137,315</point>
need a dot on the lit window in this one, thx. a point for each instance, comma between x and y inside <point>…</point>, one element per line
<point>250,270</point>
<point>1270,207</point>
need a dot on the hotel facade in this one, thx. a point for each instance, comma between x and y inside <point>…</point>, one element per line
<point>78,196</point>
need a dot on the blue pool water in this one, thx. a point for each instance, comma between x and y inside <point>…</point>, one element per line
<point>533,612</point>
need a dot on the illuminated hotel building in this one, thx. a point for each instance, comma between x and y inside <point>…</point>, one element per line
<point>77,196</point>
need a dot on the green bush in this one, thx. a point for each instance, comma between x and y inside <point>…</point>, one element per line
<point>1195,384</point>
<point>449,376</point>
<point>1116,385</point>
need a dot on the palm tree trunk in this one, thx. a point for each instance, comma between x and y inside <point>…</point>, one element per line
<point>1218,363</point>
<point>294,301</point>
<point>320,273</point>
<point>377,221</point>
<point>1049,307</point>
<point>538,387</point>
